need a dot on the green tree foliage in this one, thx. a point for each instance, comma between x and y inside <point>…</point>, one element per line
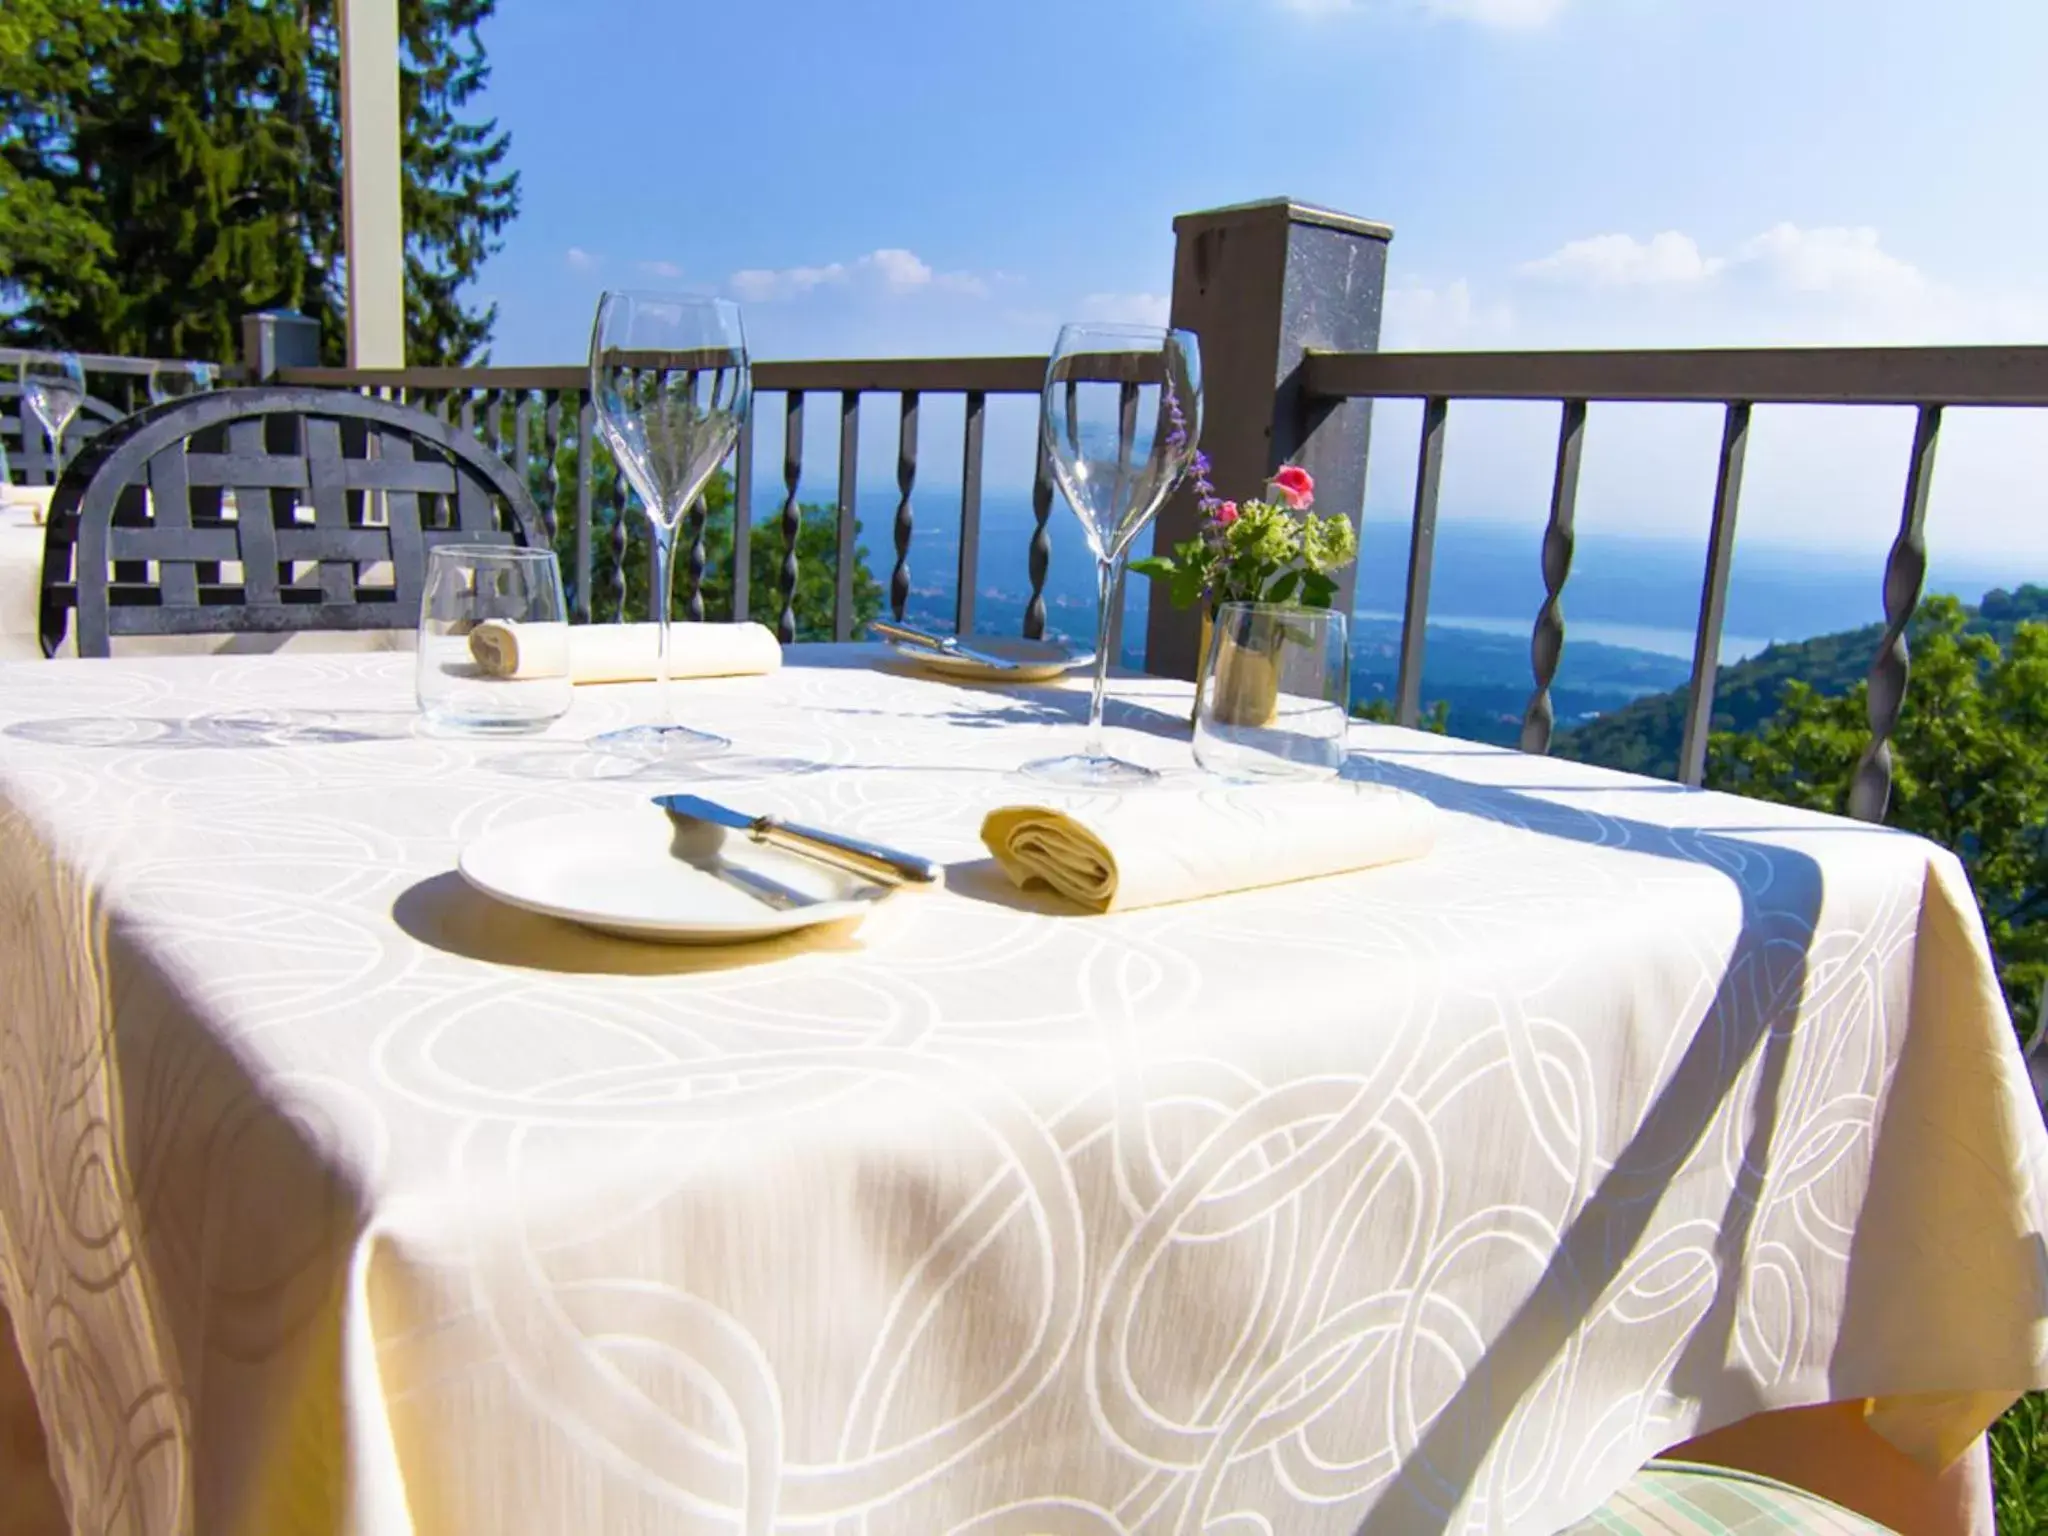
<point>817,551</point>
<point>1968,770</point>
<point>167,167</point>
<point>1643,737</point>
<point>1435,719</point>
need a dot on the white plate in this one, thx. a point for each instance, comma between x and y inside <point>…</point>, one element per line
<point>613,871</point>
<point>1038,661</point>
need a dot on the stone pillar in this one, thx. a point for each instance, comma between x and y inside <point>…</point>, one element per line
<point>278,338</point>
<point>1261,284</point>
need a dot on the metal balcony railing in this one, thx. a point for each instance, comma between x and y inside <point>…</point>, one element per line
<point>1930,379</point>
<point>114,387</point>
<point>538,417</point>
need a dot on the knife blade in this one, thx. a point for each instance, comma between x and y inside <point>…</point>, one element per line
<point>872,861</point>
<point>945,645</point>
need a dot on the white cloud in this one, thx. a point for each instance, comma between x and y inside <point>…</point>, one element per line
<point>1423,317</point>
<point>1791,283</point>
<point>667,269</point>
<point>580,260</point>
<point>890,270</point>
<point>1847,262</point>
<point>1505,15</point>
<point>1127,308</point>
<point>1622,261</point>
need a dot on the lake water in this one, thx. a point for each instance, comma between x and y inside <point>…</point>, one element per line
<point>1638,594</point>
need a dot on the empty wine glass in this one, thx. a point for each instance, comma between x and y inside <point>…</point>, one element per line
<point>1120,416</point>
<point>53,384</point>
<point>668,374</point>
<point>179,381</point>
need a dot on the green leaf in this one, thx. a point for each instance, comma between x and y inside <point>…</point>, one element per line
<point>1317,589</point>
<point>1160,566</point>
<point>1283,587</point>
<point>1186,587</point>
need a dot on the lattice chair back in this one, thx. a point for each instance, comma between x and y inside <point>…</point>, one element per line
<point>267,511</point>
<point>26,447</point>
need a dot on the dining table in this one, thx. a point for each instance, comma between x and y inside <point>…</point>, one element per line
<point>338,1197</point>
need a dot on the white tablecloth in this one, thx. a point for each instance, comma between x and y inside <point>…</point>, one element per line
<point>1437,1196</point>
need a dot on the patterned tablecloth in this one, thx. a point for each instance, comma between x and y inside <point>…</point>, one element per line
<point>335,1198</point>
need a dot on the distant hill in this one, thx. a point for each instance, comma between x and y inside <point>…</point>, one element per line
<point>1486,679</point>
<point>1644,736</point>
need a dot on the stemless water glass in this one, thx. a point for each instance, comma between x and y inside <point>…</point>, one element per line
<point>494,640</point>
<point>668,373</point>
<point>179,381</point>
<point>53,385</point>
<point>1120,416</point>
<point>1276,695</point>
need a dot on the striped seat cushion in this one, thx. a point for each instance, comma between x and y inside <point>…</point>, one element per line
<point>1676,1498</point>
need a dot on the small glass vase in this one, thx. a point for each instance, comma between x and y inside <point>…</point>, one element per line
<point>1273,701</point>
<point>1251,688</point>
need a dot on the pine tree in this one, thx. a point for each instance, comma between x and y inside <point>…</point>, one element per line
<point>167,166</point>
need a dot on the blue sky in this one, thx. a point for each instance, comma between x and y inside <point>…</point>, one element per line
<point>893,177</point>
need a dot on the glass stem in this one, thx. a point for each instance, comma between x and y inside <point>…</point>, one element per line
<point>662,553</point>
<point>1108,586</point>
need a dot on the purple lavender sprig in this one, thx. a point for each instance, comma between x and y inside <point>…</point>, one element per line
<point>1177,439</point>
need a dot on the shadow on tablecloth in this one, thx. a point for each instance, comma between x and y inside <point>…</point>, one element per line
<point>446,913</point>
<point>1753,1011</point>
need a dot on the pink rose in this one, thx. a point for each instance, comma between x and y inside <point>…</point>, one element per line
<point>1295,486</point>
<point>1226,514</point>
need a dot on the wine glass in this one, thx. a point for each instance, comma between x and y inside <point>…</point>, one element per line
<point>179,381</point>
<point>53,384</point>
<point>668,374</point>
<point>1120,416</point>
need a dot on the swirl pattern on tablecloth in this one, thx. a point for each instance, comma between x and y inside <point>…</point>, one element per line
<point>1430,1198</point>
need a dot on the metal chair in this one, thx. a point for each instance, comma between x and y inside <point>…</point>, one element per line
<point>261,516</point>
<point>23,444</point>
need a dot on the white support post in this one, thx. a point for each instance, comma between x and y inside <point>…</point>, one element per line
<point>373,219</point>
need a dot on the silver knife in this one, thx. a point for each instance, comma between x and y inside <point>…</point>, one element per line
<point>945,645</point>
<point>871,861</point>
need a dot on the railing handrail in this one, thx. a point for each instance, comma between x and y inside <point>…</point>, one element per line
<point>101,362</point>
<point>1910,376</point>
<point>898,375</point>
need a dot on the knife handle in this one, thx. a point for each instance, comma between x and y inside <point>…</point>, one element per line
<point>874,861</point>
<point>906,634</point>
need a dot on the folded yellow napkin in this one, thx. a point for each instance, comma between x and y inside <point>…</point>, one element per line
<point>1113,853</point>
<point>621,653</point>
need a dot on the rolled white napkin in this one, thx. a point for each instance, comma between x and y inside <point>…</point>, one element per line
<point>31,501</point>
<point>1110,854</point>
<point>621,653</point>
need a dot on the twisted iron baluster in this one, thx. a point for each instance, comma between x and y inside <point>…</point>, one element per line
<point>742,518</point>
<point>621,535</point>
<point>1870,791</point>
<point>847,521</point>
<point>586,433</point>
<point>1546,645</point>
<point>906,476</point>
<point>1041,546</point>
<point>693,527</point>
<point>792,515</point>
